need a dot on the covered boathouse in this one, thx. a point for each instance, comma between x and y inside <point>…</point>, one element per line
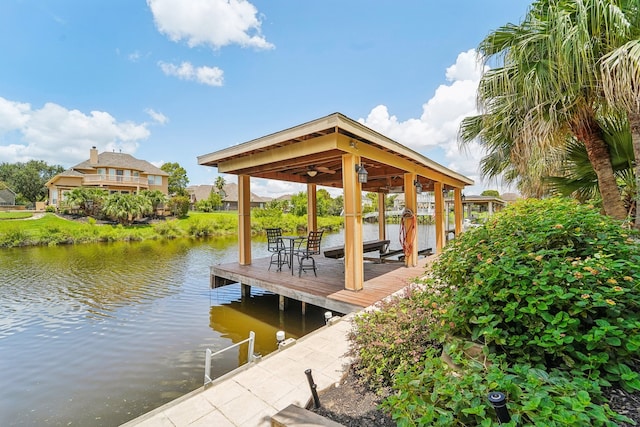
<point>335,151</point>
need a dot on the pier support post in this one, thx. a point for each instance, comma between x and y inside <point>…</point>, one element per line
<point>304,308</point>
<point>282,302</point>
<point>245,290</point>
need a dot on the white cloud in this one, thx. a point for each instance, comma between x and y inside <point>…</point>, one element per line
<point>61,136</point>
<point>437,127</point>
<point>215,23</point>
<point>211,76</point>
<point>156,116</point>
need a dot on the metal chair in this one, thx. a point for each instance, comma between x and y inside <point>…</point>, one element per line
<point>275,245</point>
<point>307,249</point>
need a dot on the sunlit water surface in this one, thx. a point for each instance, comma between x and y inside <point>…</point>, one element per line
<point>100,334</point>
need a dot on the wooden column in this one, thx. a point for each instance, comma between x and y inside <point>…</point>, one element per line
<point>312,211</point>
<point>353,256</point>
<point>439,216</point>
<point>382,218</point>
<point>411,224</point>
<point>457,209</point>
<point>244,220</point>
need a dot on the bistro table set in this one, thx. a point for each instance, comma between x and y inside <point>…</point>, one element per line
<point>284,249</point>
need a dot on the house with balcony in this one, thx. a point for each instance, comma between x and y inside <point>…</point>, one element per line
<point>111,171</point>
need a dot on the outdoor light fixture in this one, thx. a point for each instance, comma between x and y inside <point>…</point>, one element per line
<point>362,174</point>
<point>312,173</point>
<point>418,186</point>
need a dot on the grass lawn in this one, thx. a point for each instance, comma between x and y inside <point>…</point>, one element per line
<point>15,215</point>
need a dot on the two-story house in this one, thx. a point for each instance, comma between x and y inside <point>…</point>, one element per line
<point>115,172</point>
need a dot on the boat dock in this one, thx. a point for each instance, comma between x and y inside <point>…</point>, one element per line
<point>327,289</point>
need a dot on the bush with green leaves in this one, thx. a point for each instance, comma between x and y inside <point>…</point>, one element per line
<point>549,283</point>
<point>435,394</point>
<point>179,206</point>
<point>392,336</point>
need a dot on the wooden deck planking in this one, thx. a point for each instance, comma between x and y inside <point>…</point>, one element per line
<point>326,290</point>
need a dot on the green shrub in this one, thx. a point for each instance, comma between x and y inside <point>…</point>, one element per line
<point>392,336</point>
<point>549,283</point>
<point>13,236</point>
<point>200,228</point>
<point>435,394</point>
<point>179,206</point>
<point>168,229</point>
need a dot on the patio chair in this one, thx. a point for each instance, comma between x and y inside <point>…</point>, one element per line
<point>306,250</point>
<point>275,246</point>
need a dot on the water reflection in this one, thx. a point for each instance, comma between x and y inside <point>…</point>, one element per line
<point>99,334</point>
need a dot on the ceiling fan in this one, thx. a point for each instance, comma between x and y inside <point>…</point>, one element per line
<point>313,170</point>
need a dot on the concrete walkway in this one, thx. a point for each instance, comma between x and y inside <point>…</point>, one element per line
<point>250,395</point>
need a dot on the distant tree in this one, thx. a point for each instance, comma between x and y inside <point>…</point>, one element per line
<point>219,184</point>
<point>389,201</point>
<point>299,204</point>
<point>337,204</point>
<point>280,205</point>
<point>178,179</point>
<point>28,180</point>
<point>323,202</point>
<point>214,202</point>
<point>179,206</point>
<point>491,193</point>
<point>373,205</point>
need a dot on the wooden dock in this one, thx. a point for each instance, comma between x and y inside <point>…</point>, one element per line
<point>326,290</point>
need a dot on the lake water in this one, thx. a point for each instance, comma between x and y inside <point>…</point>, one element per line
<point>100,334</point>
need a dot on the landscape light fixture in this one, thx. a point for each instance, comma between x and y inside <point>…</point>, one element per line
<point>312,173</point>
<point>362,174</point>
<point>418,186</point>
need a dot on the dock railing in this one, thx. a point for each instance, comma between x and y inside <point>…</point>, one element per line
<point>209,354</point>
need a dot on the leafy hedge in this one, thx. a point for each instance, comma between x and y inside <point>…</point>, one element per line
<point>549,282</point>
<point>549,289</point>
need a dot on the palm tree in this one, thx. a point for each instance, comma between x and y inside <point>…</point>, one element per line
<point>621,77</point>
<point>156,198</point>
<point>549,88</point>
<point>577,176</point>
<point>124,208</point>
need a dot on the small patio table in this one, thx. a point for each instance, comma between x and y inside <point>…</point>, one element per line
<point>292,243</point>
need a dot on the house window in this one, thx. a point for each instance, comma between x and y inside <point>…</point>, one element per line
<point>102,172</point>
<point>155,180</point>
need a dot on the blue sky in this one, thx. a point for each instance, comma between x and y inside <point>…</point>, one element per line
<point>169,80</point>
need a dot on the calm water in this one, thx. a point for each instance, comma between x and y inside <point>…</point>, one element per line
<point>100,334</point>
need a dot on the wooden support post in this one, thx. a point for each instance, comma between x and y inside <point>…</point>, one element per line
<point>439,216</point>
<point>312,210</point>
<point>353,255</point>
<point>382,220</point>
<point>245,290</point>
<point>457,209</point>
<point>244,220</point>
<point>304,308</point>
<point>282,302</point>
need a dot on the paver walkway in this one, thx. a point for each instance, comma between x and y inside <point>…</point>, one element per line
<point>250,396</point>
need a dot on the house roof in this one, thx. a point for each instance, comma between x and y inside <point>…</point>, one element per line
<point>7,195</point>
<point>319,146</point>
<point>122,161</point>
<point>110,160</point>
<point>202,192</point>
